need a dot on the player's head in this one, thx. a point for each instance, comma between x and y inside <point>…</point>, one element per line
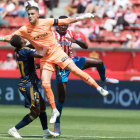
<point>17,41</point>
<point>33,15</point>
<point>63,28</point>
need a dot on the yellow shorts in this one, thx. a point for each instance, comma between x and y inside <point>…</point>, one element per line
<point>56,56</point>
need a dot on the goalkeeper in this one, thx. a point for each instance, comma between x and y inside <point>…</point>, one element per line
<point>38,32</point>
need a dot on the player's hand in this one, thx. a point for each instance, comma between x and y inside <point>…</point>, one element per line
<point>88,15</point>
<point>72,40</point>
<point>85,16</point>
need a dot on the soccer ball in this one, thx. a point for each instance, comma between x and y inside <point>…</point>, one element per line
<point>29,4</point>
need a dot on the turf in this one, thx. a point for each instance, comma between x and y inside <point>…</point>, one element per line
<point>76,123</point>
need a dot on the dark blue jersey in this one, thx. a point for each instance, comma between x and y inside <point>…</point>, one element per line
<point>26,64</point>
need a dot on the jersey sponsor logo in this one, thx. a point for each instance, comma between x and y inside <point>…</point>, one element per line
<point>40,36</point>
<point>65,58</point>
<point>65,43</point>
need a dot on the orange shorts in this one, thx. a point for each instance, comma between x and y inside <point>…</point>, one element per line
<point>56,56</point>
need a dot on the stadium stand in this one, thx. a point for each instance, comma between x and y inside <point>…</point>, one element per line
<point>104,39</point>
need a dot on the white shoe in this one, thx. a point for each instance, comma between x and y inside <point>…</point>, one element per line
<point>55,114</point>
<point>102,91</point>
<point>48,134</point>
<point>13,132</point>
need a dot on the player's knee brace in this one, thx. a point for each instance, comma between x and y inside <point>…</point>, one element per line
<point>48,91</point>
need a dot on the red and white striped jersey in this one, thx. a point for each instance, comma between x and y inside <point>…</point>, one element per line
<point>65,43</point>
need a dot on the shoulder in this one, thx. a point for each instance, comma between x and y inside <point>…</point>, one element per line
<point>25,48</point>
<point>46,20</point>
<point>71,32</point>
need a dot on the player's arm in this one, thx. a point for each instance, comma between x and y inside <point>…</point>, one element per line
<point>40,54</point>
<point>72,19</point>
<point>79,41</point>
<point>7,38</point>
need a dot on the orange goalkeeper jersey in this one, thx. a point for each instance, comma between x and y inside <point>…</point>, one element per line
<point>39,35</point>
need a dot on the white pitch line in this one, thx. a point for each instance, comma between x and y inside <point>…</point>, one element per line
<point>71,137</point>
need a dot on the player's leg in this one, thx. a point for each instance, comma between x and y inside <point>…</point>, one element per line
<point>43,119</point>
<point>66,63</point>
<point>46,83</point>
<point>85,77</point>
<point>31,101</point>
<point>25,121</point>
<point>95,62</point>
<point>61,89</point>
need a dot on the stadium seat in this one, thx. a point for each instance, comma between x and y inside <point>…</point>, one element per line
<point>13,30</point>
<point>9,19</point>
<point>26,21</point>
<point>18,22</point>
<point>138,21</point>
<point>104,44</point>
<point>93,44</point>
<point>5,31</point>
<point>115,44</point>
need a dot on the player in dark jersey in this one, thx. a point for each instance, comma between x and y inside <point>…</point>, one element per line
<point>65,38</point>
<point>28,87</point>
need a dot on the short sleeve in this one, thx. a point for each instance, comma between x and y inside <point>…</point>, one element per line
<point>51,21</point>
<point>29,52</point>
<point>74,35</point>
<point>17,32</point>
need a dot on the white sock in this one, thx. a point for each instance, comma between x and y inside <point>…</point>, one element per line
<point>45,131</point>
<point>55,110</point>
<point>99,88</point>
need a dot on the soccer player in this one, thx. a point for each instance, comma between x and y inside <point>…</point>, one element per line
<point>65,38</point>
<point>28,87</point>
<point>38,33</point>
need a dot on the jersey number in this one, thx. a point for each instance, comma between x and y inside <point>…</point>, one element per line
<point>21,68</point>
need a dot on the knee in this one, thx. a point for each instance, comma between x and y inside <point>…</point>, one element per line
<point>101,63</point>
<point>46,85</point>
<point>35,113</point>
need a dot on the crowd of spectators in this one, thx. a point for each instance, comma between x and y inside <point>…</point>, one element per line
<point>114,16</point>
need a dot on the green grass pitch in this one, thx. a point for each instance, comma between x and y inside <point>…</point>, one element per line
<point>76,123</point>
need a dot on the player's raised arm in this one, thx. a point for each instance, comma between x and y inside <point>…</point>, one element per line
<point>7,38</point>
<point>74,19</point>
<point>79,41</point>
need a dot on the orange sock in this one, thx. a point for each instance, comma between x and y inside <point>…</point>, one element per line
<point>49,94</point>
<point>84,76</point>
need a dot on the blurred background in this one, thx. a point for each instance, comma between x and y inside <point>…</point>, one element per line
<point>112,36</point>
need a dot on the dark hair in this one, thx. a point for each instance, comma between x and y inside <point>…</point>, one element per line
<point>16,42</point>
<point>62,17</point>
<point>33,8</point>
